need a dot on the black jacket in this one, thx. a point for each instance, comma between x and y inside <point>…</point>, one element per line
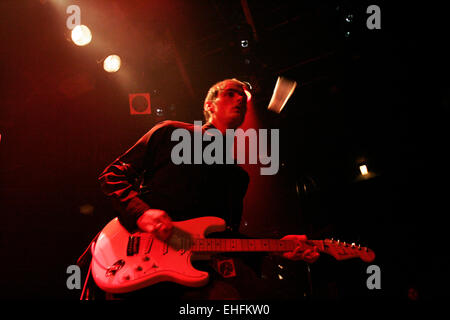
<point>145,177</point>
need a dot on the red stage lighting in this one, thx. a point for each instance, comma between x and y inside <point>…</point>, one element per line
<point>139,103</point>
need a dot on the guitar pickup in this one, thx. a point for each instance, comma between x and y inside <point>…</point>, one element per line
<point>133,245</point>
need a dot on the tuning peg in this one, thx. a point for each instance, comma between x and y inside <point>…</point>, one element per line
<point>353,244</point>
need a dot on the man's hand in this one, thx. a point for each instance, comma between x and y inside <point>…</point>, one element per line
<point>299,252</point>
<point>157,222</point>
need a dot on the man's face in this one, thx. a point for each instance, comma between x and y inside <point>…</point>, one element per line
<point>230,106</point>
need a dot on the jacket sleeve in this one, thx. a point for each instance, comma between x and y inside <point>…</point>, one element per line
<point>120,181</point>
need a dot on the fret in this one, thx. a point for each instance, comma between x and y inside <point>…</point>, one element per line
<point>255,245</point>
<point>258,245</point>
<point>233,245</point>
<point>264,245</point>
<point>194,245</point>
<point>239,245</point>
<point>250,245</point>
<point>244,244</point>
<point>273,244</point>
<point>281,245</point>
<point>218,246</point>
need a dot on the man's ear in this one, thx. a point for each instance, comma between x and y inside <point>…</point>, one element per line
<point>209,106</point>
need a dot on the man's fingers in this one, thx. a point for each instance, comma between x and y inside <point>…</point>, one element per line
<point>163,231</point>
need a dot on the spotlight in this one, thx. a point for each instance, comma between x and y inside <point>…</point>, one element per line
<point>244,43</point>
<point>81,35</point>
<point>112,63</point>
<point>281,94</point>
<point>364,170</point>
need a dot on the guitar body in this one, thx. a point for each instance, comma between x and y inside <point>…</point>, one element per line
<point>124,262</point>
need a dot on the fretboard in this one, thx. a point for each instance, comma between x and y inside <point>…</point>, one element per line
<point>242,245</point>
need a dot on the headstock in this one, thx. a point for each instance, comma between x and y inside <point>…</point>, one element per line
<point>342,250</point>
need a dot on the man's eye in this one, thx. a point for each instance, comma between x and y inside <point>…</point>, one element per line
<point>230,93</point>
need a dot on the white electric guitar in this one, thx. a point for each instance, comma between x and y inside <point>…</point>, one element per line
<point>124,262</point>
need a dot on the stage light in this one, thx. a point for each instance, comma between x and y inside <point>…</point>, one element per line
<point>81,35</point>
<point>112,63</point>
<point>139,103</point>
<point>281,94</point>
<point>159,112</point>
<point>349,18</point>
<point>244,43</point>
<point>364,170</point>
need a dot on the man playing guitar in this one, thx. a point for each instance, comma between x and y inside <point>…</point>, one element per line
<point>150,192</point>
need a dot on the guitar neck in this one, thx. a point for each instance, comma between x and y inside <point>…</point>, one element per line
<point>248,245</point>
<point>339,250</point>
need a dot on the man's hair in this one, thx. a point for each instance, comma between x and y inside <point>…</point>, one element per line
<point>213,92</point>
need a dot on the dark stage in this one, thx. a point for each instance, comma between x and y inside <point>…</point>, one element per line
<point>367,94</point>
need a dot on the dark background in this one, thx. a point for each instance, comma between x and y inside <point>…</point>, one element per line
<point>379,96</point>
